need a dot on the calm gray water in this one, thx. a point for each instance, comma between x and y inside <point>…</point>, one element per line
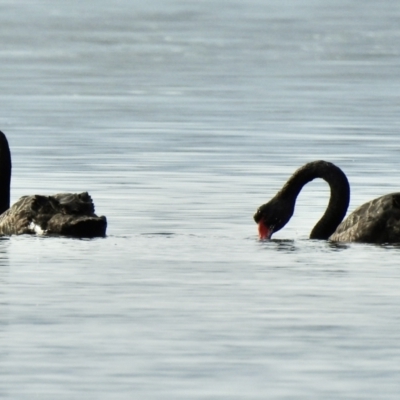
<point>181,118</point>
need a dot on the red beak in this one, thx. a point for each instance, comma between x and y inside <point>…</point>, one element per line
<point>263,231</point>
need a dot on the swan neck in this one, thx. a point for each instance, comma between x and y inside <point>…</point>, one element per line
<point>5,173</point>
<point>339,199</point>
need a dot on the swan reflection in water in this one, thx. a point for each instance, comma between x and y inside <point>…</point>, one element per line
<point>69,214</point>
<point>377,221</point>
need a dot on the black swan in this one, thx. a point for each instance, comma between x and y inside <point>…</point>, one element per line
<point>66,214</point>
<point>377,221</point>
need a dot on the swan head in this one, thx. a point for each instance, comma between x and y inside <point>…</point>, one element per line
<point>273,216</point>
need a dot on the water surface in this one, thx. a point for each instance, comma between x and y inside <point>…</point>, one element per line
<point>180,119</point>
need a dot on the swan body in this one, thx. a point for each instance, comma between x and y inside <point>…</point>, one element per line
<point>377,221</point>
<point>68,214</point>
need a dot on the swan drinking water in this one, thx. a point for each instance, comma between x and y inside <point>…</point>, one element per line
<point>67,214</point>
<point>377,221</point>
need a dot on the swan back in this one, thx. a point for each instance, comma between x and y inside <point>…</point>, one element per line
<point>61,214</point>
<point>377,221</point>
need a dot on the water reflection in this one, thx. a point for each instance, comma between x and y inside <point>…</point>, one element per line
<point>5,243</point>
<point>337,246</point>
<point>156,234</point>
<point>285,245</point>
<point>291,245</point>
<point>391,246</point>
<point>4,257</point>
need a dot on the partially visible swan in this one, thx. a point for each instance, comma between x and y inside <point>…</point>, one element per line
<point>377,221</point>
<point>62,214</point>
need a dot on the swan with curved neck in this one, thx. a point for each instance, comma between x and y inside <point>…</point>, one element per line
<point>69,214</point>
<point>377,221</point>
